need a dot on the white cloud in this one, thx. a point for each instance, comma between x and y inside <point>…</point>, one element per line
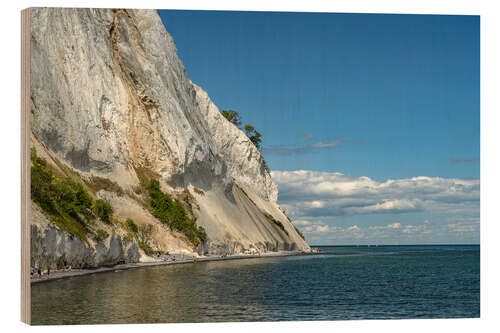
<point>354,228</point>
<point>396,225</point>
<point>421,228</point>
<point>392,226</point>
<point>301,222</point>
<point>313,194</point>
<point>322,228</point>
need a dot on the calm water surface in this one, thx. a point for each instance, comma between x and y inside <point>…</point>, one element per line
<point>346,283</point>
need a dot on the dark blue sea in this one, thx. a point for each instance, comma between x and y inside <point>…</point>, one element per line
<point>345,283</point>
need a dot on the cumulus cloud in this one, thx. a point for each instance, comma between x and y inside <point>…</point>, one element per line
<point>322,228</point>
<point>309,227</point>
<point>353,228</point>
<point>318,228</point>
<point>421,228</point>
<point>301,222</point>
<point>396,225</point>
<point>316,194</point>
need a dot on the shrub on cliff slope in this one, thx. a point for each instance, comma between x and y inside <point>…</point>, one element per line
<point>276,222</point>
<point>132,226</point>
<point>103,210</point>
<point>172,213</point>
<point>66,201</point>
<point>101,235</point>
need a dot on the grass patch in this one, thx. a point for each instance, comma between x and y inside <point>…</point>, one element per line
<point>172,213</point>
<point>275,222</point>
<point>101,235</point>
<point>132,226</point>
<point>64,200</point>
<point>103,210</point>
<point>96,184</point>
<point>145,176</point>
<point>128,238</point>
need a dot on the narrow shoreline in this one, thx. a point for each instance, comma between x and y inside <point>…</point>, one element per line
<point>57,275</point>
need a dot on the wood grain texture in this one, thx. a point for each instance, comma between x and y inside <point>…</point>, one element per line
<point>25,166</point>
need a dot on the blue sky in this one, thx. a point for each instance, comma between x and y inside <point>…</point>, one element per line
<point>388,97</point>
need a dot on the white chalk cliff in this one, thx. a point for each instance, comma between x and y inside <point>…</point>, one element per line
<point>110,98</point>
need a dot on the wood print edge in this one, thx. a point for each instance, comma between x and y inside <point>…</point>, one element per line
<point>25,166</point>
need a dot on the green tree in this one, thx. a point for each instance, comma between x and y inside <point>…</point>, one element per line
<point>253,135</point>
<point>233,117</point>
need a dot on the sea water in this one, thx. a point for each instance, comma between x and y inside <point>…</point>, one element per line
<point>344,283</point>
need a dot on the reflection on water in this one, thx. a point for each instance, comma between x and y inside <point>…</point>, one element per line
<point>345,284</point>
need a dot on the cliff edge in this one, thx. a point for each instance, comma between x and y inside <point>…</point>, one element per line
<point>111,101</point>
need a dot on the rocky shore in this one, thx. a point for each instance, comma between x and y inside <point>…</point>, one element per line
<point>173,259</point>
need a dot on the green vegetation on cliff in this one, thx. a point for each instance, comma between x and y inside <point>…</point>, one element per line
<point>296,229</point>
<point>143,239</point>
<point>65,200</point>
<point>276,222</point>
<point>103,210</point>
<point>172,213</point>
<point>101,235</point>
<point>255,136</point>
<point>234,118</point>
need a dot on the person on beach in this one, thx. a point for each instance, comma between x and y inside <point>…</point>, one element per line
<point>48,271</point>
<point>32,272</point>
<point>39,273</point>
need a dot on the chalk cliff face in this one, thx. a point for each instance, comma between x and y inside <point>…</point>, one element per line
<point>110,98</point>
<point>52,247</point>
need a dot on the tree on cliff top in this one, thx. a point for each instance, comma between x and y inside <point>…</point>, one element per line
<point>253,135</point>
<point>235,119</point>
<point>232,116</point>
